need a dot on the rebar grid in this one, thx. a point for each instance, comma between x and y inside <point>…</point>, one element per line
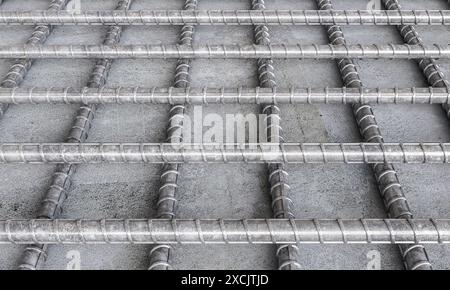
<point>19,69</point>
<point>233,51</point>
<point>51,205</point>
<point>160,255</point>
<point>430,69</point>
<point>227,17</point>
<point>167,231</point>
<point>221,231</point>
<point>414,256</point>
<point>313,153</point>
<point>240,95</point>
<point>278,177</point>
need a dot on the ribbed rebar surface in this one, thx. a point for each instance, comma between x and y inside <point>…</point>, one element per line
<point>57,193</point>
<point>313,153</point>
<point>240,95</point>
<point>166,206</point>
<point>435,78</point>
<point>221,51</point>
<point>391,191</point>
<point>283,230</point>
<point>278,177</point>
<point>430,69</point>
<point>227,17</point>
<point>222,231</point>
<point>19,69</point>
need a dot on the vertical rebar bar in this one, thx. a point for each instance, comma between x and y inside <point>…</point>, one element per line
<point>414,256</point>
<point>430,69</point>
<point>19,69</point>
<point>57,193</point>
<point>160,255</point>
<point>278,177</point>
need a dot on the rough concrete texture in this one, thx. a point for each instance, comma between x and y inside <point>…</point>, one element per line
<point>228,191</point>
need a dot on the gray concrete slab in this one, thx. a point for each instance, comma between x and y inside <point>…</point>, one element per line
<point>228,191</point>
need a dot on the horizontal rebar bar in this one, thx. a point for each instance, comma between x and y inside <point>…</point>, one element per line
<point>240,95</point>
<point>314,51</point>
<point>227,17</point>
<point>317,153</point>
<point>221,231</point>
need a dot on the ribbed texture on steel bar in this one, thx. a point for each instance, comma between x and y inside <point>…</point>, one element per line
<point>53,201</point>
<point>430,69</point>
<point>228,17</point>
<point>278,177</point>
<point>314,153</point>
<point>435,78</point>
<point>414,256</point>
<point>160,255</point>
<point>240,95</point>
<point>220,231</point>
<point>233,51</point>
<point>19,69</point>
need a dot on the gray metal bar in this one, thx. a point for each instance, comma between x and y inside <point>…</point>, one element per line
<point>313,51</point>
<point>241,95</point>
<point>19,69</point>
<point>318,153</point>
<point>391,192</point>
<point>220,231</point>
<point>277,176</point>
<point>51,206</point>
<point>160,255</point>
<point>227,17</point>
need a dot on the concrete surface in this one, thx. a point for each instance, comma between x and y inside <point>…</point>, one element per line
<point>228,191</point>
